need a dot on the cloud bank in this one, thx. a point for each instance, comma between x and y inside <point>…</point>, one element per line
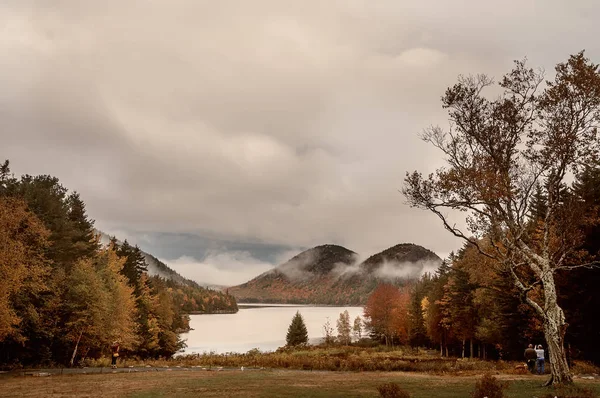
<point>266,122</point>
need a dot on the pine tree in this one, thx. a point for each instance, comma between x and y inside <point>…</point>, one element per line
<point>297,333</point>
<point>493,303</point>
<point>135,263</point>
<point>437,331</point>
<point>417,331</point>
<point>539,204</point>
<point>579,290</point>
<point>459,309</point>
<point>83,237</point>
<point>6,179</point>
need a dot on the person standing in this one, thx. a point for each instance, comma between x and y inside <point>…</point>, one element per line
<point>115,354</point>
<point>540,359</point>
<point>531,358</point>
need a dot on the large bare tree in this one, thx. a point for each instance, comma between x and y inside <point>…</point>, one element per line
<point>502,153</point>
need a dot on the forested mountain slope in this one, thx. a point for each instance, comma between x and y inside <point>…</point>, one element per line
<point>332,275</point>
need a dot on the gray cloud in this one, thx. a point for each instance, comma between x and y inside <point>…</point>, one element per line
<point>277,123</point>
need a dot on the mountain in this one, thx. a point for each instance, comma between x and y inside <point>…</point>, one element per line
<point>187,296</point>
<point>157,267</point>
<point>332,275</point>
<point>405,258</point>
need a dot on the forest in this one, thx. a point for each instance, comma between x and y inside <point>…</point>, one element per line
<point>522,169</point>
<point>65,297</point>
<point>467,308</point>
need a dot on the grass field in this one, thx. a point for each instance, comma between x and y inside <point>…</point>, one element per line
<point>275,383</point>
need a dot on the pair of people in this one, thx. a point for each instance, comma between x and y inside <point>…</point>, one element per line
<point>535,356</point>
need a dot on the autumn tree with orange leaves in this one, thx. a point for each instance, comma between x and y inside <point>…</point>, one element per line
<point>386,314</point>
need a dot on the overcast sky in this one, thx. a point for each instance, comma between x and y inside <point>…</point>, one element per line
<point>222,136</point>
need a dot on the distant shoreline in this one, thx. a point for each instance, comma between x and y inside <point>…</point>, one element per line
<point>288,305</point>
<point>212,312</point>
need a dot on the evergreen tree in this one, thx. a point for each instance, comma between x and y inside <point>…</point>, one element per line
<point>499,318</point>
<point>579,290</point>
<point>135,264</point>
<point>417,331</point>
<point>6,179</point>
<point>297,333</point>
<point>437,329</point>
<point>84,240</point>
<point>539,204</point>
<point>148,326</point>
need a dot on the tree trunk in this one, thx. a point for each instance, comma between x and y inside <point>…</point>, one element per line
<point>555,328</point>
<point>441,349</point>
<point>75,350</point>
<point>471,348</point>
<point>463,348</point>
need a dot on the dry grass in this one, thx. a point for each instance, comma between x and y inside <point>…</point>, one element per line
<point>278,383</point>
<point>339,359</point>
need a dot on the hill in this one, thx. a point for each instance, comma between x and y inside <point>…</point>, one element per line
<point>332,275</point>
<point>189,295</point>
<point>154,265</point>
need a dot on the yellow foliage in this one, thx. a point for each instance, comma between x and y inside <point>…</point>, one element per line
<point>22,265</point>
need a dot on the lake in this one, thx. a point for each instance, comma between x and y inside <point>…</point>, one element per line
<point>258,326</point>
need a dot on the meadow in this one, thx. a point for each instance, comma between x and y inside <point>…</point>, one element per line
<point>270,383</point>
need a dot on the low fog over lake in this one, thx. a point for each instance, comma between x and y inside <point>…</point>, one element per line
<point>260,326</point>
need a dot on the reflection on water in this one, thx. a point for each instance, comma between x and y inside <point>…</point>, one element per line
<point>262,327</point>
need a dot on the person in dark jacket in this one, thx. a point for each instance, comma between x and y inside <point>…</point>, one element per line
<point>115,353</point>
<point>531,358</point>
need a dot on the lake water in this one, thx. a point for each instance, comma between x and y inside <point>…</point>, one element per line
<point>260,326</point>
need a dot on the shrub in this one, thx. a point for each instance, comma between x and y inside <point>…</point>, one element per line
<point>392,390</point>
<point>489,387</point>
<point>584,368</point>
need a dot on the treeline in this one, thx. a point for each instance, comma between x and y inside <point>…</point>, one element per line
<point>65,297</point>
<point>470,306</point>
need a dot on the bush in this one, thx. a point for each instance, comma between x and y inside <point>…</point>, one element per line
<point>489,387</point>
<point>392,390</point>
<point>584,368</point>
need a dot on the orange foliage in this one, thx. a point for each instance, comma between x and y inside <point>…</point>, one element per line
<point>386,312</point>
